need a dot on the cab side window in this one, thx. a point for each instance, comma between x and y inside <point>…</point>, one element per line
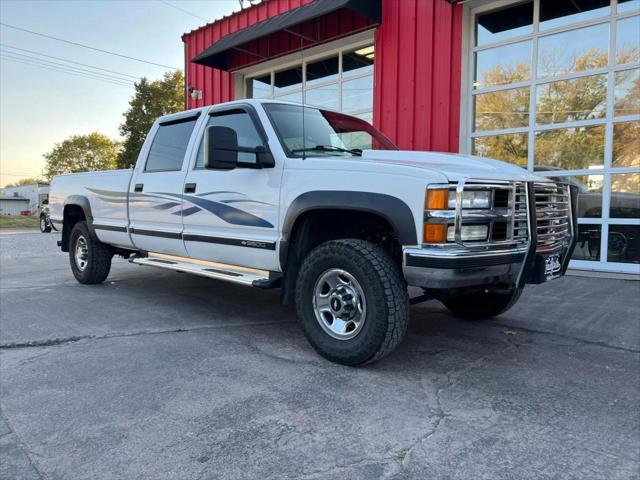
<point>169,145</point>
<point>240,121</point>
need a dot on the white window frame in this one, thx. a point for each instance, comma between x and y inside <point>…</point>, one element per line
<point>467,133</point>
<point>310,55</point>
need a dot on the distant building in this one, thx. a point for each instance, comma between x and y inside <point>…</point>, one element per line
<point>28,197</point>
<point>13,205</point>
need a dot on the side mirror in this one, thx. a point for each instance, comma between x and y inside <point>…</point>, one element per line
<point>265,158</point>
<point>220,148</point>
<point>45,202</point>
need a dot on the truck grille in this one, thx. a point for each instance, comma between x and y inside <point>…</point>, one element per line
<point>520,222</point>
<point>552,216</point>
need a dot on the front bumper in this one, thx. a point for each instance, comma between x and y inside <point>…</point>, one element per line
<point>457,268</point>
<point>460,266</point>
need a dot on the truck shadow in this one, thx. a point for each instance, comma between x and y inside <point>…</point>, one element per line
<point>193,302</point>
<point>185,301</point>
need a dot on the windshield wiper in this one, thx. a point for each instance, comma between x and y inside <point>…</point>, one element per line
<point>328,148</point>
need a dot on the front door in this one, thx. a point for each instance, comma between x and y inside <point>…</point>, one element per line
<point>155,193</point>
<point>231,216</point>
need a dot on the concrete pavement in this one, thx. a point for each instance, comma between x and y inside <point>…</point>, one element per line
<point>160,375</point>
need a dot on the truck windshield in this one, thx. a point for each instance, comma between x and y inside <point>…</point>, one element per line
<point>325,132</point>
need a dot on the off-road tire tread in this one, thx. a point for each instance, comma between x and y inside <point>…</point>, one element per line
<point>100,256</point>
<point>381,269</point>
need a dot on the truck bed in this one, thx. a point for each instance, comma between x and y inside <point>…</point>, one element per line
<point>107,192</point>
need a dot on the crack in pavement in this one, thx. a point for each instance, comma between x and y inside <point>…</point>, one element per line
<point>23,446</point>
<point>439,412</point>
<point>69,340</point>
<point>43,343</point>
<point>563,335</point>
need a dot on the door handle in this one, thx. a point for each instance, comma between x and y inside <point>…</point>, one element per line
<point>138,187</point>
<point>189,188</point>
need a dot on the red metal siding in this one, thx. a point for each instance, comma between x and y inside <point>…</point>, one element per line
<point>417,74</point>
<point>417,67</point>
<point>217,85</point>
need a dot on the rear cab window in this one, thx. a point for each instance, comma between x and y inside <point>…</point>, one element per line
<point>169,145</point>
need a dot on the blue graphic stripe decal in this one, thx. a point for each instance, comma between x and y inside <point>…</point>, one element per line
<point>187,211</point>
<point>166,206</point>
<point>229,214</point>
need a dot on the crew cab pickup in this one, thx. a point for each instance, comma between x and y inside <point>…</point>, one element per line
<point>322,205</point>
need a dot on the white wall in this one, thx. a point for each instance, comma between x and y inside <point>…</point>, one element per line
<point>13,207</point>
<point>34,193</point>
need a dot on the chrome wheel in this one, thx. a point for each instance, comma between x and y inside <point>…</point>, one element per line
<point>339,304</point>
<point>81,253</point>
<point>43,224</point>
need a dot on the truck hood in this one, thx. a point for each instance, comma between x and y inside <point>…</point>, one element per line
<point>453,166</point>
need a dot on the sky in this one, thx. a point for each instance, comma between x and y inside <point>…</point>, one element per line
<point>40,107</point>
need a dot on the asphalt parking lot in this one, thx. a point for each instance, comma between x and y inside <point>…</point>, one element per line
<point>160,375</point>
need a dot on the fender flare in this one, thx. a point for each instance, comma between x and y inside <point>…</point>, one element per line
<point>82,202</point>
<point>392,209</point>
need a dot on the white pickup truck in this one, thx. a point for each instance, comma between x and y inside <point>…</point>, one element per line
<point>322,205</point>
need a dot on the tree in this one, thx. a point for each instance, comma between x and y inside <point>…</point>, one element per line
<point>82,153</point>
<point>25,181</point>
<point>151,100</point>
<point>582,98</point>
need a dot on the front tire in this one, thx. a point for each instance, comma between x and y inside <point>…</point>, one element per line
<point>352,301</point>
<point>45,226</point>
<point>481,305</point>
<point>90,259</point>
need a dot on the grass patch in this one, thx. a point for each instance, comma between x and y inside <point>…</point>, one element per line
<point>13,221</point>
<point>400,456</point>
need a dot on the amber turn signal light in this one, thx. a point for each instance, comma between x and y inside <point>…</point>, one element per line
<point>437,199</point>
<point>434,233</point>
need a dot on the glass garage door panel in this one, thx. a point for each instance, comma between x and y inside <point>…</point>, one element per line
<point>342,81</point>
<point>555,88</point>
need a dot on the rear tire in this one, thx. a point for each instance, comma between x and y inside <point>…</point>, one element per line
<point>45,226</point>
<point>90,259</point>
<point>481,305</point>
<point>352,301</point>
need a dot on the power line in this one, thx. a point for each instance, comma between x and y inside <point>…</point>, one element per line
<point>85,46</point>
<point>65,68</point>
<point>22,56</point>
<point>49,67</point>
<point>183,10</point>
<point>69,61</point>
<point>19,174</point>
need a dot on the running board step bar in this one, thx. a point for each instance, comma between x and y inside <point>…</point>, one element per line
<point>253,278</point>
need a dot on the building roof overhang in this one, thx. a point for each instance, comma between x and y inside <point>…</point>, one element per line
<point>220,54</point>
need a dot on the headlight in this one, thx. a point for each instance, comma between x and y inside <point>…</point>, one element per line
<point>472,199</point>
<point>468,233</point>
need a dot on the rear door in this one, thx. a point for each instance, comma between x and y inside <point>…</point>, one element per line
<point>155,193</point>
<point>231,216</point>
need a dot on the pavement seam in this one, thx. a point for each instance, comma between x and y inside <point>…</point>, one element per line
<point>564,335</point>
<point>69,340</point>
<point>43,343</point>
<point>23,447</point>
